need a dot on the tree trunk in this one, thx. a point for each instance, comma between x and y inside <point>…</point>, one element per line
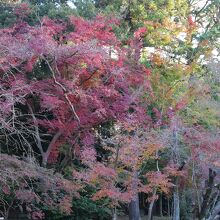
<point>161,205</point>
<point>134,210</point>
<point>175,157</point>
<point>207,195</point>
<point>150,209</point>
<point>215,212</point>
<point>168,207</point>
<point>176,204</point>
<point>114,214</point>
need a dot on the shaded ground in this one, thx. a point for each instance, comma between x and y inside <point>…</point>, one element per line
<point>145,218</point>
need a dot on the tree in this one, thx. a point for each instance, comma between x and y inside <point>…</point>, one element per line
<point>59,84</point>
<point>31,188</point>
<point>52,9</point>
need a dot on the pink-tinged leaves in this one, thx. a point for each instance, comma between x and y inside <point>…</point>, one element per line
<point>159,180</point>
<point>140,32</point>
<point>88,156</point>
<point>22,10</point>
<point>147,71</point>
<point>80,77</point>
<point>6,190</point>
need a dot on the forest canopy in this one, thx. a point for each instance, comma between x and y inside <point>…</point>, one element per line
<point>110,109</point>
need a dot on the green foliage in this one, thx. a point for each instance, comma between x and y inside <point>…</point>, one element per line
<point>85,8</point>
<point>7,17</point>
<point>50,9</point>
<point>39,72</point>
<point>204,111</point>
<point>87,209</point>
<point>84,208</point>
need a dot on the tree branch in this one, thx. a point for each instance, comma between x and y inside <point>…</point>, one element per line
<point>36,127</point>
<point>63,88</point>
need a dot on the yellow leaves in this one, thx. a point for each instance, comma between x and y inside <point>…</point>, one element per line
<point>166,39</point>
<point>163,33</point>
<point>193,67</point>
<point>120,169</point>
<point>151,41</point>
<point>83,65</point>
<point>166,22</point>
<point>150,151</point>
<point>170,5</point>
<point>189,69</point>
<point>182,6</point>
<point>204,112</point>
<point>94,181</point>
<point>153,6</point>
<point>157,60</point>
<point>70,43</point>
<point>141,7</point>
<point>159,38</point>
<point>208,52</point>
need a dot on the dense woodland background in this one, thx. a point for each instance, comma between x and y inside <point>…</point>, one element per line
<point>110,109</point>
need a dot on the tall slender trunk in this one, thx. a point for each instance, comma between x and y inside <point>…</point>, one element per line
<point>150,209</point>
<point>207,196</point>
<point>114,214</point>
<point>215,212</point>
<point>114,211</point>
<point>175,157</point>
<point>176,204</point>
<point>161,205</point>
<point>168,207</point>
<point>134,210</point>
<point>44,160</point>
